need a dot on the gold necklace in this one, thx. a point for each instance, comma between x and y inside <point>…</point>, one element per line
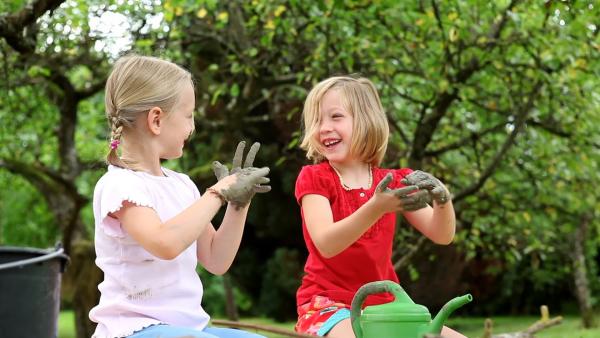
<point>347,188</point>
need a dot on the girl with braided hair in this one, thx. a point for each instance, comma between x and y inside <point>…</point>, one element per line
<point>152,226</point>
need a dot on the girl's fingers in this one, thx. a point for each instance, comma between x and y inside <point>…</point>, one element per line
<point>253,174</point>
<point>413,206</point>
<point>262,180</point>
<point>264,171</point>
<point>262,188</point>
<point>420,197</point>
<point>220,170</point>
<point>404,191</point>
<point>237,157</point>
<point>251,155</point>
<point>382,186</point>
<point>421,184</point>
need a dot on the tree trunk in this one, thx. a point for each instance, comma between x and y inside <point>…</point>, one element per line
<point>442,274</point>
<point>230,307</point>
<point>582,290</point>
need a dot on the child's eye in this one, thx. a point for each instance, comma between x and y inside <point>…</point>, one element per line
<point>337,116</point>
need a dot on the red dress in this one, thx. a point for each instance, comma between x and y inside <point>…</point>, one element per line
<point>366,260</point>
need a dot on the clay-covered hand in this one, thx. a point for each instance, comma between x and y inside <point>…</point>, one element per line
<point>426,181</point>
<point>249,181</point>
<point>222,171</point>
<point>409,197</point>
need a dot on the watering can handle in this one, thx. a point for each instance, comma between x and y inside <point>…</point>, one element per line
<point>361,295</point>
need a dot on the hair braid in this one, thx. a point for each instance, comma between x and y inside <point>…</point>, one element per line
<point>116,127</point>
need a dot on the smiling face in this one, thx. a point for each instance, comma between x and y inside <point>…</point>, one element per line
<point>343,120</point>
<point>178,125</point>
<point>335,129</point>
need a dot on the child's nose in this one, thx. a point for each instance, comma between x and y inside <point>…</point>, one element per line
<point>325,127</point>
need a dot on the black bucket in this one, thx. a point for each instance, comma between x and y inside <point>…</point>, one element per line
<point>30,291</point>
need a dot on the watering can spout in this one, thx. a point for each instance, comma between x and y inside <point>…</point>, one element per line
<point>451,306</point>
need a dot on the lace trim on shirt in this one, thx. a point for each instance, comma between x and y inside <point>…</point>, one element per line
<point>111,226</point>
<point>118,206</point>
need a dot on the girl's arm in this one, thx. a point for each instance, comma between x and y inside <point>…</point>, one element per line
<point>217,248</point>
<point>438,223</point>
<point>166,240</point>
<point>331,237</point>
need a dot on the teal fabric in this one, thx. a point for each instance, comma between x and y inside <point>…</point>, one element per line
<point>337,317</point>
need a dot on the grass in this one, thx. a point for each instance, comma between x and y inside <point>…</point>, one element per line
<point>570,327</point>
<point>471,327</point>
<point>66,324</point>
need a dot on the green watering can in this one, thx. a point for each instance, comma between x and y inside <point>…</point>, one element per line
<point>401,318</point>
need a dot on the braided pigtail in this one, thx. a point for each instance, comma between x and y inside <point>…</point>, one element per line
<point>116,130</point>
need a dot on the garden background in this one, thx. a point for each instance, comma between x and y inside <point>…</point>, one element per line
<point>499,99</point>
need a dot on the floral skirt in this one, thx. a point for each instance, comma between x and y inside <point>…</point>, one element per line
<point>320,315</point>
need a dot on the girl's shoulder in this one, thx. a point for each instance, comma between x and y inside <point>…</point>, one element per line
<point>315,178</point>
<point>177,175</point>
<point>321,166</point>
<point>322,169</point>
<point>118,175</point>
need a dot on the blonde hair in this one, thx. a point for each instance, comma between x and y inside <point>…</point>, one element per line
<point>135,85</point>
<point>370,129</point>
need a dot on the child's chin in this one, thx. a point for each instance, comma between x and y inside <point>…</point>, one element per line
<point>333,158</point>
<point>172,156</point>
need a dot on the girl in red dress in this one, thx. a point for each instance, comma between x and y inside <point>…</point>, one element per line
<point>349,204</point>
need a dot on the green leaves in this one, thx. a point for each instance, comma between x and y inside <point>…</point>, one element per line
<point>455,77</point>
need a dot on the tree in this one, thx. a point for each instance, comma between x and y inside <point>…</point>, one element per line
<point>496,99</point>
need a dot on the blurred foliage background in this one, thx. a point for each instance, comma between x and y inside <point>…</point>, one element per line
<point>499,99</point>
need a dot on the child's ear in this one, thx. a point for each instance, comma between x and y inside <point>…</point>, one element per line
<point>154,120</point>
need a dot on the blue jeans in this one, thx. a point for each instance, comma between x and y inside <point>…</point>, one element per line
<point>168,331</point>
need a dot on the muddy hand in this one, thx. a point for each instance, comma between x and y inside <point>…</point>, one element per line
<point>242,191</point>
<point>239,153</point>
<point>221,171</point>
<point>249,181</point>
<point>410,197</point>
<point>426,181</point>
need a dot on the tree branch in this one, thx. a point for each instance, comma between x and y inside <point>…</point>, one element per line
<point>552,128</point>
<point>520,120</point>
<point>413,249</point>
<point>18,28</point>
<point>426,129</point>
<point>472,137</point>
<point>438,19</point>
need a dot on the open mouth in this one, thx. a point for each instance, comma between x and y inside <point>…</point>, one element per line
<point>331,142</point>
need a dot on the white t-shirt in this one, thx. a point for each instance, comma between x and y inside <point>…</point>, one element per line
<point>140,289</point>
